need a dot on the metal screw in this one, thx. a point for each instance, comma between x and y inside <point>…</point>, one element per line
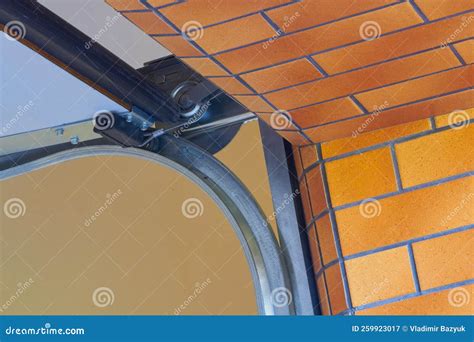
<point>59,131</point>
<point>75,140</point>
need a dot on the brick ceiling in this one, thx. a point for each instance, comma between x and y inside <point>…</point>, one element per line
<point>318,70</point>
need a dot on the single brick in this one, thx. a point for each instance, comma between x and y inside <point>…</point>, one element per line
<point>323,298</point>
<point>149,22</point>
<point>305,201</point>
<point>437,303</point>
<point>234,33</point>
<point>436,156</point>
<point>298,161</point>
<point>314,249</point>
<point>379,276</point>
<point>335,289</point>
<point>309,155</point>
<point>406,216</point>
<point>445,259</point>
<point>282,75</point>
<point>361,176</point>
<point>365,139</point>
<point>205,66</point>
<point>178,46</point>
<point>314,180</point>
<point>326,238</point>
<point>325,112</point>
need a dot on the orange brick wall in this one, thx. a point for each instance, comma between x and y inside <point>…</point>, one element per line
<point>318,69</point>
<point>390,218</point>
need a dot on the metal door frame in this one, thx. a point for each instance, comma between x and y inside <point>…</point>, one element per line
<point>265,258</point>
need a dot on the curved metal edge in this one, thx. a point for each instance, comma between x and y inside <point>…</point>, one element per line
<point>268,269</point>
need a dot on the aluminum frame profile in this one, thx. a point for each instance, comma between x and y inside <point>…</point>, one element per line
<point>290,221</point>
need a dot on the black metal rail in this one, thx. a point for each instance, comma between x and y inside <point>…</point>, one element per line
<point>153,88</point>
